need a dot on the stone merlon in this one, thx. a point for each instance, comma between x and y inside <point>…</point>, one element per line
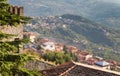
<point>16,10</point>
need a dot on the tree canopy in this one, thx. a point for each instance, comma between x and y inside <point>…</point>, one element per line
<point>6,18</point>
<point>58,57</point>
<point>10,61</point>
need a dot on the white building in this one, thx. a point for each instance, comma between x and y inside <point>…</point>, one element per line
<point>48,46</point>
<point>32,38</point>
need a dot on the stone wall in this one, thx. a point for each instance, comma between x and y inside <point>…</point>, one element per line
<point>37,65</point>
<point>17,31</point>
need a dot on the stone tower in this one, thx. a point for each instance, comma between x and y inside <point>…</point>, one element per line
<point>16,10</point>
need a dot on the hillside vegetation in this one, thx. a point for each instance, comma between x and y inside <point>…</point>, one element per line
<point>78,31</point>
<point>105,12</point>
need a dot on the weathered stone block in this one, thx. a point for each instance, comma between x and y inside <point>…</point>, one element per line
<point>15,30</point>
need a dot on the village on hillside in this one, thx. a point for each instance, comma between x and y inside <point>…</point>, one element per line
<point>43,56</point>
<point>83,56</point>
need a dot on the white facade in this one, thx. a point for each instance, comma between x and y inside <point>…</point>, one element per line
<point>48,46</point>
<point>32,38</point>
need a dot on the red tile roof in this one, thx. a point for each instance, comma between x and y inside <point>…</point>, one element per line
<point>56,71</point>
<point>79,69</point>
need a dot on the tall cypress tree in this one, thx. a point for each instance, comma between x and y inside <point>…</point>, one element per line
<point>11,62</point>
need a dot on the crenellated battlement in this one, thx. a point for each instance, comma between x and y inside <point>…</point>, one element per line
<point>15,30</point>
<point>18,10</point>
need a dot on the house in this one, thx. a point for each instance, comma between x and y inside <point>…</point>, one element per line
<point>59,47</point>
<point>43,40</point>
<point>48,46</point>
<point>72,49</point>
<point>103,64</point>
<point>98,58</point>
<point>83,56</point>
<point>30,35</point>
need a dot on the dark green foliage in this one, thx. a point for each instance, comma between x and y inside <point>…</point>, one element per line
<point>75,17</point>
<point>10,19</point>
<point>65,49</point>
<point>5,47</point>
<point>3,5</point>
<point>24,72</point>
<point>20,41</point>
<point>11,62</point>
<point>3,35</point>
<point>25,19</point>
<point>17,57</point>
<point>57,57</point>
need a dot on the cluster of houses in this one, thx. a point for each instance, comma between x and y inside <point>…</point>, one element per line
<point>82,56</point>
<point>50,45</point>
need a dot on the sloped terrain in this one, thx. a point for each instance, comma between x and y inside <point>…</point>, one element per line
<point>105,12</point>
<point>80,32</point>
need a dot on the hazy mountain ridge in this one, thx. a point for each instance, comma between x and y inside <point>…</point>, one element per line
<point>72,27</point>
<point>103,11</point>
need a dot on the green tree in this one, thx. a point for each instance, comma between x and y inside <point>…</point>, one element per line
<point>11,62</point>
<point>7,18</point>
<point>57,57</point>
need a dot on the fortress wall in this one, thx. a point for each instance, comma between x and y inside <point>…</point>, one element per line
<point>17,31</point>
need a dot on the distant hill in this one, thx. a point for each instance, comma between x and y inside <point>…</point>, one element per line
<point>80,32</point>
<point>105,12</point>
